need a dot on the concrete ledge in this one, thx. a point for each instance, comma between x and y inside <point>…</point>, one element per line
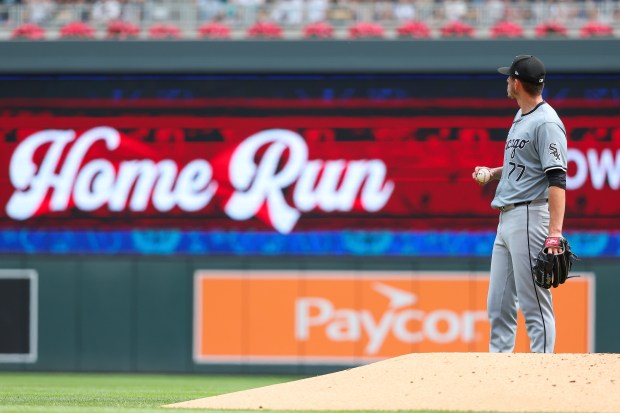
<point>289,56</point>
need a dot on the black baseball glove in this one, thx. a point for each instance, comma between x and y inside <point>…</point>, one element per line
<point>552,269</point>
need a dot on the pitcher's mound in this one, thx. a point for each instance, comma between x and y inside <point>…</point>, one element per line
<point>521,382</point>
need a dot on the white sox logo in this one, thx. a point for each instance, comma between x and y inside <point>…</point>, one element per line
<point>515,144</point>
<point>553,150</point>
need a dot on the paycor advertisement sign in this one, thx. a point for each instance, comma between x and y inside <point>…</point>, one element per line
<point>346,317</point>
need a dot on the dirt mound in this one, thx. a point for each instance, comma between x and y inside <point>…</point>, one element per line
<point>447,381</point>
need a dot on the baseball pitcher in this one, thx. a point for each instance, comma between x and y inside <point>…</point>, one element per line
<point>530,198</point>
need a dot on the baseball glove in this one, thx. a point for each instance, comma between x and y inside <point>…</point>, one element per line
<point>552,269</point>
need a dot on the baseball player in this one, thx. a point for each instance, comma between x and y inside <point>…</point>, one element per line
<point>530,198</point>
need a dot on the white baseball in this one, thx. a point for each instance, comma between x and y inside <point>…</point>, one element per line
<point>483,176</point>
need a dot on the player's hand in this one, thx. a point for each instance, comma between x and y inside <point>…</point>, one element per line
<point>473,174</point>
<point>475,177</point>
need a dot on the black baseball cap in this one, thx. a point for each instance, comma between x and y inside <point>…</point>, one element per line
<point>526,67</point>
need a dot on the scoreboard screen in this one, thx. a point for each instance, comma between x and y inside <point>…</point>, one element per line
<point>145,160</point>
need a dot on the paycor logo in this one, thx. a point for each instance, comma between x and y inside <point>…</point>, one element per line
<point>354,317</point>
<point>400,319</point>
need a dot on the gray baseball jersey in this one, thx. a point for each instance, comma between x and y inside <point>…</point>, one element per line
<point>536,143</point>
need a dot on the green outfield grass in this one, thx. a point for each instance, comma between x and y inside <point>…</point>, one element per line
<point>130,393</point>
<point>125,393</point>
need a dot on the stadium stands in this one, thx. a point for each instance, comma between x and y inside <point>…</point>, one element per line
<point>296,19</point>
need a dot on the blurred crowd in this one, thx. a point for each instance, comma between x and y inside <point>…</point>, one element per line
<point>295,12</point>
<point>291,13</point>
<point>45,11</point>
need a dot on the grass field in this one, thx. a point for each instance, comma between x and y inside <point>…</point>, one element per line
<point>126,393</point>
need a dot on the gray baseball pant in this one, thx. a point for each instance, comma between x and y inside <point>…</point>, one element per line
<point>520,236</point>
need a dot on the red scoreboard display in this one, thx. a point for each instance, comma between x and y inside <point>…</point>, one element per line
<point>285,153</point>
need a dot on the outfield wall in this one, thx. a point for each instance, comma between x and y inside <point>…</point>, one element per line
<point>136,314</point>
<point>116,251</point>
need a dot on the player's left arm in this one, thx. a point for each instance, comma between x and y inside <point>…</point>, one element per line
<point>553,152</point>
<point>557,206</point>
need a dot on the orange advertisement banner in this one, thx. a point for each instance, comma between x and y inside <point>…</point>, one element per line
<point>354,317</point>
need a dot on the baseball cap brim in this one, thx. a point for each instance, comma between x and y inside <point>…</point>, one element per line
<point>504,71</point>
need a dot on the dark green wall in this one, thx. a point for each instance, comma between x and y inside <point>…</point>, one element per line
<point>135,314</point>
<point>289,56</point>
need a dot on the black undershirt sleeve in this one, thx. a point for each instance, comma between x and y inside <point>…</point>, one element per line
<point>557,177</point>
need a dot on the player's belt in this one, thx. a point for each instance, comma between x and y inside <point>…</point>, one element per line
<point>513,206</point>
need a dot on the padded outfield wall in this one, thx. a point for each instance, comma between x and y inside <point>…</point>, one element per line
<point>280,206</point>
